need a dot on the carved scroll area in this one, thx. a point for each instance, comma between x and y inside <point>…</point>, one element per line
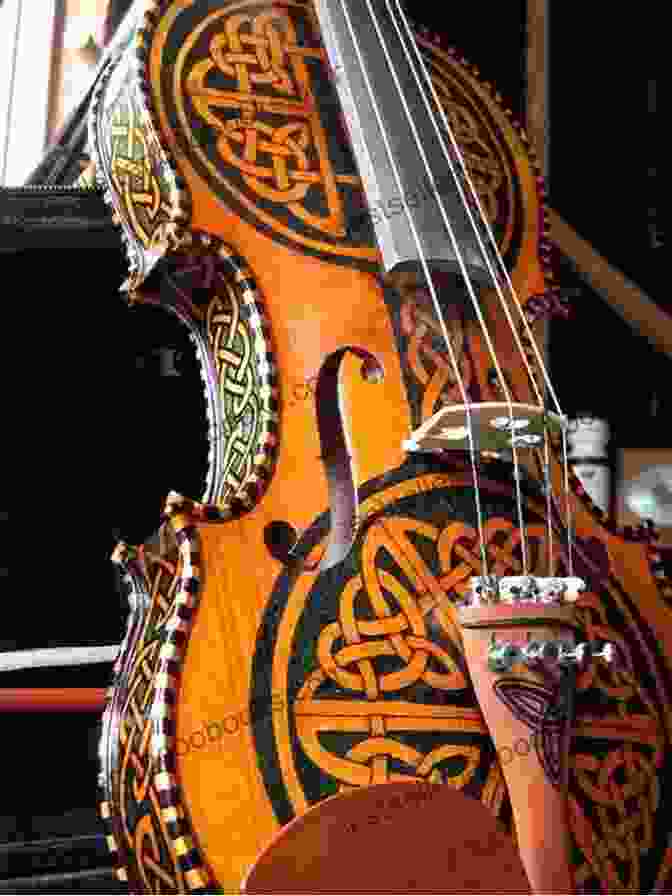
<point>148,829</point>
<point>370,656</point>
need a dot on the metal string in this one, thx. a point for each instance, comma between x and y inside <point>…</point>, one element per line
<point>568,507</point>
<point>456,248</point>
<point>549,503</point>
<point>423,261</point>
<point>483,220</point>
<point>474,225</point>
<point>500,261</point>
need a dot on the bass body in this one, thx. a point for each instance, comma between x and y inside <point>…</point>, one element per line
<point>254,682</point>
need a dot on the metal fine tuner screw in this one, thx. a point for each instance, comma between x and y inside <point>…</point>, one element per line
<point>584,652</point>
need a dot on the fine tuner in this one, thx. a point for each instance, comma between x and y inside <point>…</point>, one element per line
<point>502,655</point>
<point>524,589</point>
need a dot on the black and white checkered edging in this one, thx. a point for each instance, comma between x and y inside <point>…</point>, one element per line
<point>182,514</point>
<point>128,559</point>
<point>178,233</point>
<point>253,309</point>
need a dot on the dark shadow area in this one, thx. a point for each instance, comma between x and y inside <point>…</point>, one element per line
<point>600,365</point>
<point>606,137</point>
<point>108,434</point>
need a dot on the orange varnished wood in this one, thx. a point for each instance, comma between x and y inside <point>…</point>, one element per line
<point>315,308</point>
<point>539,807</point>
<point>239,572</point>
<point>335,306</point>
<point>391,838</point>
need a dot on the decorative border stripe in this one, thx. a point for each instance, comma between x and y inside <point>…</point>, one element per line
<point>177,235</point>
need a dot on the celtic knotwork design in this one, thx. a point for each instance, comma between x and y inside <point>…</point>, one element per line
<point>384,694</point>
<point>622,788</point>
<point>385,642</point>
<point>482,156</point>
<point>440,374</point>
<point>617,789</point>
<point>132,159</point>
<point>144,834</point>
<point>138,180</point>
<point>260,57</point>
<point>252,104</point>
<point>231,343</point>
<point>134,802</point>
<point>458,546</point>
<point>428,360</point>
<point>536,705</point>
<point>273,136</point>
<point>143,195</point>
<point>215,294</point>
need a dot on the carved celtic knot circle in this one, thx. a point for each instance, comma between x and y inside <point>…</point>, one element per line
<point>395,632</point>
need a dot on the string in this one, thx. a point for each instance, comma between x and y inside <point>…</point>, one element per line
<point>482,247</point>
<point>483,220</point>
<point>503,270</point>
<point>456,249</point>
<point>549,503</point>
<point>568,507</point>
<point>423,260</point>
<point>497,255</point>
<point>484,328</point>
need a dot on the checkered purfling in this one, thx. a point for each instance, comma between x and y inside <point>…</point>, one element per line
<point>207,283</point>
<point>244,433</point>
<point>148,830</point>
<point>141,183</point>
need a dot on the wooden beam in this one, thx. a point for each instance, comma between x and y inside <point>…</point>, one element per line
<point>537,64</point>
<point>536,100</point>
<point>630,302</point>
<point>25,67</point>
<point>52,699</point>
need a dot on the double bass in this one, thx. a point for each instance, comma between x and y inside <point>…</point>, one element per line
<point>352,230</point>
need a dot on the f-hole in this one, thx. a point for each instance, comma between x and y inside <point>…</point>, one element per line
<point>336,452</point>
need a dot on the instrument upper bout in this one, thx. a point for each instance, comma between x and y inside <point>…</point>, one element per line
<point>250,110</point>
